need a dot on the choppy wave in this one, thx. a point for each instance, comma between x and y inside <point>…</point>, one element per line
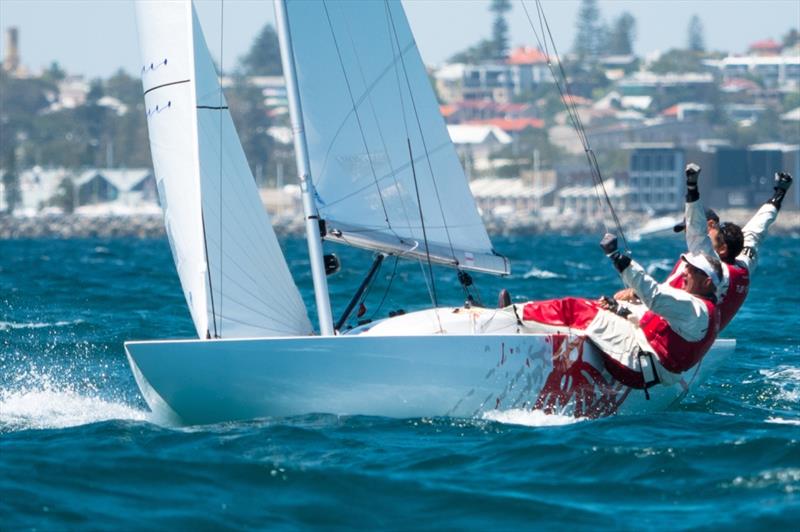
<point>536,273</point>
<point>731,444</point>
<point>8,325</point>
<point>529,418</point>
<point>783,421</point>
<point>787,379</point>
<point>55,409</point>
<point>660,266</point>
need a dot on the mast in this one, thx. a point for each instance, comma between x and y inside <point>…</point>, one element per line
<point>304,173</point>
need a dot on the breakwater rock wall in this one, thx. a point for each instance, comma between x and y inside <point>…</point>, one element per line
<point>152,226</point>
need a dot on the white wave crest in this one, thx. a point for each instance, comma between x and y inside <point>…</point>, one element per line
<point>787,379</point>
<point>56,409</point>
<point>9,325</point>
<point>542,274</point>
<point>782,421</point>
<point>529,418</point>
<point>663,265</point>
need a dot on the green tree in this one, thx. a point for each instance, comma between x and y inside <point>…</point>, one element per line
<point>677,61</point>
<point>589,36</point>
<point>124,88</point>
<point>621,35</point>
<point>54,73</point>
<point>500,27</point>
<point>264,56</point>
<point>246,103</point>
<point>695,37</point>
<point>64,198</point>
<point>10,178</point>
<point>791,38</point>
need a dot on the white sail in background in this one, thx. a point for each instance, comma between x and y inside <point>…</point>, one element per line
<point>232,270</point>
<point>366,96</point>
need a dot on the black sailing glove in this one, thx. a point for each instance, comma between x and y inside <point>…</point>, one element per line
<point>782,183</point>
<point>692,175</point>
<point>609,246</point>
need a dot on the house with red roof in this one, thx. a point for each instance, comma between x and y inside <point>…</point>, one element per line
<point>765,47</point>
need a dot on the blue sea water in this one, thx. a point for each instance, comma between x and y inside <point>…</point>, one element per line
<point>78,449</point>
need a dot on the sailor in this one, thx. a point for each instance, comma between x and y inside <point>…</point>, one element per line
<point>737,248</point>
<point>646,343</point>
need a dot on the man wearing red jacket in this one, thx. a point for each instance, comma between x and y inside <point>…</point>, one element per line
<point>647,343</point>
<point>738,249</point>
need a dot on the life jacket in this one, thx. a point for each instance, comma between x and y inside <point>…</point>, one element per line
<point>674,352</point>
<point>738,287</point>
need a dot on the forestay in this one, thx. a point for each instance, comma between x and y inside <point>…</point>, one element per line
<point>232,270</point>
<point>372,124</point>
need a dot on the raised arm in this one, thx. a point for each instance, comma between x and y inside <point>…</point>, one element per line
<point>686,314</point>
<point>697,239</point>
<point>756,229</point>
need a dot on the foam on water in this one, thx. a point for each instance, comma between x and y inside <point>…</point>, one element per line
<point>7,325</point>
<point>536,273</point>
<point>787,378</point>
<point>56,409</point>
<point>529,418</point>
<point>659,266</point>
<point>783,421</point>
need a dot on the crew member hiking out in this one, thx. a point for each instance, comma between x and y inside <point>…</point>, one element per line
<point>737,248</point>
<point>644,343</point>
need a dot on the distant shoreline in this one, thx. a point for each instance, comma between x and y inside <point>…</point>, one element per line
<point>74,226</point>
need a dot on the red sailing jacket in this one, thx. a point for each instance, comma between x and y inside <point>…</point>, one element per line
<point>738,287</point>
<point>674,352</point>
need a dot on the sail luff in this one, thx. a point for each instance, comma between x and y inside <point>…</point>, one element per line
<point>304,171</point>
<point>366,97</point>
<point>212,330</point>
<point>231,267</point>
<point>165,36</point>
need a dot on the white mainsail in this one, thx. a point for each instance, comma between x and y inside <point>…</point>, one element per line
<point>231,267</point>
<point>385,172</point>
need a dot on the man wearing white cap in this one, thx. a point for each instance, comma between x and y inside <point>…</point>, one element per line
<point>649,342</point>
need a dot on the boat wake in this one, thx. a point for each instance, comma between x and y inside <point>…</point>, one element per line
<point>47,408</point>
<point>530,418</point>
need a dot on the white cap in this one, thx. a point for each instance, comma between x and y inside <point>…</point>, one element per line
<point>707,264</point>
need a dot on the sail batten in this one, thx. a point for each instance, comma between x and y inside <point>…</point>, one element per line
<point>375,136</point>
<point>235,279</point>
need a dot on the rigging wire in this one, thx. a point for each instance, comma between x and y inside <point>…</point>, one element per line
<point>393,32</point>
<point>422,221</point>
<point>221,99</point>
<point>424,144</point>
<point>572,110</point>
<point>388,287</point>
<point>358,118</point>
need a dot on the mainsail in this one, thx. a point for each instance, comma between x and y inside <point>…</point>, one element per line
<point>385,173</point>
<point>234,276</point>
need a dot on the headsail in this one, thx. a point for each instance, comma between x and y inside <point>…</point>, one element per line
<point>382,162</point>
<point>232,270</point>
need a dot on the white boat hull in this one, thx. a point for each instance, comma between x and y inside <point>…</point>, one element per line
<point>461,375</point>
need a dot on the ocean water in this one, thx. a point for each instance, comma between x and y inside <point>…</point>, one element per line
<point>78,449</point>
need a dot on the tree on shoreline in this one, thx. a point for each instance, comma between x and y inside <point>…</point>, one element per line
<point>590,33</point>
<point>695,39</point>
<point>621,35</point>
<point>500,27</point>
<point>489,49</point>
<point>264,56</point>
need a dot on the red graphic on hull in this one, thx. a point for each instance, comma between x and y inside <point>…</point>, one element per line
<point>575,381</point>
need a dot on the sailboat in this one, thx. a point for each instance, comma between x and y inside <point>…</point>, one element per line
<point>377,171</point>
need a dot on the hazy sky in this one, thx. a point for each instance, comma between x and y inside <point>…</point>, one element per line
<point>97,37</point>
